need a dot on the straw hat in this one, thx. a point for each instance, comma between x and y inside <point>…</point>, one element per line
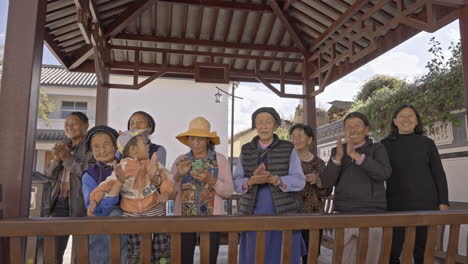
<point>198,127</point>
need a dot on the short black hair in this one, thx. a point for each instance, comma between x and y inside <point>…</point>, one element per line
<point>308,130</point>
<point>81,116</point>
<point>359,115</point>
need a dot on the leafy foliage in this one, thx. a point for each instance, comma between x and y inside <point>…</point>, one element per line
<point>376,83</point>
<point>435,94</point>
<point>45,107</point>
<point>283,133</point>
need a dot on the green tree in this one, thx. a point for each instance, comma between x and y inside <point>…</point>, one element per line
<point>283,133</point>
<point>376,83</point>
<point>45,107</point>
<point>435,94</point>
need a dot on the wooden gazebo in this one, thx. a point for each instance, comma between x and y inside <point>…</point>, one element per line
<point>308,42</point>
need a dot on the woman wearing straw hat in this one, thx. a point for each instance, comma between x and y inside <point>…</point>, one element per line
<point>269,176</point>
<point>202,178</point>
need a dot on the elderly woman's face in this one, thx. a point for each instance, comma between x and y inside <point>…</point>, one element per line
<point>300,139</point>
<point>103,148</point>
<point>138,121</point>
<point>265,125</point>
<point>357,130</point>
<point>75,128</point>
<point>198,145</point>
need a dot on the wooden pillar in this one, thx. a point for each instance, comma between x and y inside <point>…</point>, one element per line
<point>464,46</point>
<point>310,112</point>
<point>102,104</point>
<point>19,98</point>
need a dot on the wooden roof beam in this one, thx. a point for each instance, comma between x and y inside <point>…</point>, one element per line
<point>204,53</point>
<point>207,43</point>
<point>56,51</point>
<point>127,17</point>
<point>291,31</point>
<point>350,12</point>
<point>450,3</point>
<point>223,4</point>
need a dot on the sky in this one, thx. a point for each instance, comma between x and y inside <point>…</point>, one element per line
<point>406,61</point>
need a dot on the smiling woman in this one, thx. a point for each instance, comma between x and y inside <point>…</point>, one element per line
<point>358,170</point>
<point>418,180</point>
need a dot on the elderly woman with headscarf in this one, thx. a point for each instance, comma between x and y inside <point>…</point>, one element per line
<point>102,142</point>
<point>202,179</point>
<point>269,174</point>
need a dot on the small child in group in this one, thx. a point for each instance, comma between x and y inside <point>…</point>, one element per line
<point>137,179</point>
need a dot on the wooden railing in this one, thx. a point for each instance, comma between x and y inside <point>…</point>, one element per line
<point>80,228</point>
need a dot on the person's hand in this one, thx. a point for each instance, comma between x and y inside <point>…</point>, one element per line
<point>119,173</point>
<point>312,178</point>
<point>60,151</point>
<point>350,148</point>
<point>183,166</point>
<point>260,170</point>
<point>261,176</point>
<point>443,207</point>
<point>339,150</point>
<point>162,198</point>
<point>152,168</point>
<point>204,176</point>
<point>91,208</point>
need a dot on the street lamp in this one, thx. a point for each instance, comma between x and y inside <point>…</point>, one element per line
<point>218,96</point>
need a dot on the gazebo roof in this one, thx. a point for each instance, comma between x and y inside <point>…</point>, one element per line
<point>267,41</point>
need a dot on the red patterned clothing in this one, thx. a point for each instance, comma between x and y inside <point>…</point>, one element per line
<point>311,194</point>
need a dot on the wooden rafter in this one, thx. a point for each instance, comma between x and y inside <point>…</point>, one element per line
<point>50,43</point>
<point>128,16</point>
<point>338,23</point>
<point>223,4</point>
<point>287,4</point>
<point>208,43</point>
<point>291,31</point>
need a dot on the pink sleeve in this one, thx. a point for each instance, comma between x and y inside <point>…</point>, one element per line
<point>224,186</point>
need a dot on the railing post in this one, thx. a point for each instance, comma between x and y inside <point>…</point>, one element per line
<point>114,249</point>
<point>408,245</point>
<point>233,247</point>
<point>260,247</point>
<point>386,245</point>
<point>339,245</point>
<point>452,248</point>
<point>314,246</point>
<point>175,248</point>
<point>363,244</point>
<point>204,247</point>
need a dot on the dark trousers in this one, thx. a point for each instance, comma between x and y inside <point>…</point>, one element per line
<point>189,241</point>
<point>419,244</point>
<point>305,236</point>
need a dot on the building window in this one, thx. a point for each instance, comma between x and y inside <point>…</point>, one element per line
<point>69,107</point>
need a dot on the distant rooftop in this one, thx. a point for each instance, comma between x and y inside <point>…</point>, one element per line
<point>55,75</point>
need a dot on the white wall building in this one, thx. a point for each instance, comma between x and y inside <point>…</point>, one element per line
<point>172,103</point>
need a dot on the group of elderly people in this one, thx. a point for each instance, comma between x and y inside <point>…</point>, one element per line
<point>403,172</point>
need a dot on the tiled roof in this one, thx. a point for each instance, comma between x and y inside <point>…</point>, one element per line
<point>58,76</point>
<point>50,135</point>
